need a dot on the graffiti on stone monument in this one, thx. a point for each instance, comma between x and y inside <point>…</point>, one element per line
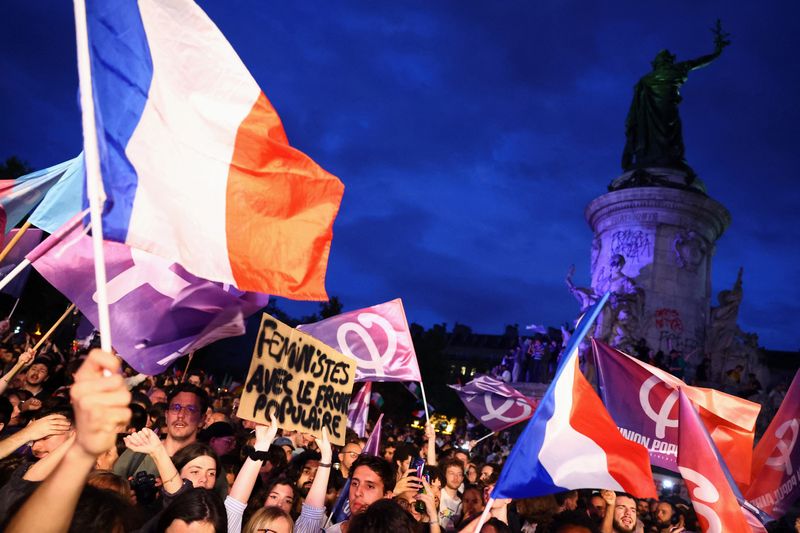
<point>671,334</point>
<point>669,319</point>
<point>633,244</point>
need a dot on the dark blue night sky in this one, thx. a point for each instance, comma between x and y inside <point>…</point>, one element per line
<point>471,135</point>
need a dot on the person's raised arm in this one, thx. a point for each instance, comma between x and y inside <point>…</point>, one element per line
<point>24,360</point>
<point>100,401</point>
<point>44,466</point>
<point>246,479</point>
<point>610,497</point>
<point>430,433</point>
<point>319,487</point>
<point>40,428</point>
<point>146,441</point>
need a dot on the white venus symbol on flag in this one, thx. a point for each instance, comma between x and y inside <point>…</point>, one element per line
<point>661,418</point>
<point>377,361</point>
<point>147,269</point>
<point>784,460</point>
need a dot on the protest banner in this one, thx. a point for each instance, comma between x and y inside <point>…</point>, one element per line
<point>304,382</point>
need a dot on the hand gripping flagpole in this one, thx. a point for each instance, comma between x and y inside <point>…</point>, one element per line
<point>94,187</point>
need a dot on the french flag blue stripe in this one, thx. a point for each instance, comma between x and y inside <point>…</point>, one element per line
<point>118,41</point>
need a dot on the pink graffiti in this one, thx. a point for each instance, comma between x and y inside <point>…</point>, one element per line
<point>669,319</point>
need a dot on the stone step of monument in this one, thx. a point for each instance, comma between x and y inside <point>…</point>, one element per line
<point>531,390</point>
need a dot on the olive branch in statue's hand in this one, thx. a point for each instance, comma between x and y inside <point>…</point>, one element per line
<point>721,38</point>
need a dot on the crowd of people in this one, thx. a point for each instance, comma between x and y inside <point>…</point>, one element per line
<point>87,445</point>
<point>531,360</point>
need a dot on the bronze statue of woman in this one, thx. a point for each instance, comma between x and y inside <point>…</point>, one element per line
<point>653,126</point>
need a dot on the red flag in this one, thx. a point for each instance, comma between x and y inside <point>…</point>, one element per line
<point>642,400</point>
<point>703,470</point>
<point>776,459</point>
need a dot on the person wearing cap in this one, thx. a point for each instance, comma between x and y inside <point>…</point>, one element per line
<point>220,436</point>
<point>287,445</point>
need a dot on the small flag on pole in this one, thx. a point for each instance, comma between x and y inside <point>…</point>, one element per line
<point>494,403</point>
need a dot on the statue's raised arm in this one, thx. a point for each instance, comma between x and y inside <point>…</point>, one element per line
<point>721,40</point>
<point>653,131</point>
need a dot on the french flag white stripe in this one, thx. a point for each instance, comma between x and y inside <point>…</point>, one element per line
<point>200,94</point>
<point>572,459</point>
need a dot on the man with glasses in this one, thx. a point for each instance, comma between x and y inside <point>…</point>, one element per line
<point>186,405</point>
<point>347,457</point>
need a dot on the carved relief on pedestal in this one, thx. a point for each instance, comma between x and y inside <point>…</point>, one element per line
<point>690,250</point>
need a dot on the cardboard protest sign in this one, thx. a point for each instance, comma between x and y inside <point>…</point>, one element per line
<point>304,382</point>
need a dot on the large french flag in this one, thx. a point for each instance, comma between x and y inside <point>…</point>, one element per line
<point>572,443</point>
<point>196,165</point>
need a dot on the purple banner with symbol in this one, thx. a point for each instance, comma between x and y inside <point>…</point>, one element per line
<point>377,337</point>
<point>495,404</point>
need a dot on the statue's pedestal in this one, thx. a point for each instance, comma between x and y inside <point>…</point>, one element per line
<point>667,237</point>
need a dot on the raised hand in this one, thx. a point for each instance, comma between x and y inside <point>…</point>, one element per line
<point>31,404</point>
<point>407,484</point>
<point>100,400</point>
<point>25,358</point>
<point>609,496</point>
<point>265,434</point>
<point>48,425</point>
<point>430,431</point>
<point>324,445</point>
<point>144,441</point>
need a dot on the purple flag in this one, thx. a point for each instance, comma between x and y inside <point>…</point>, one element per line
<point>373,445</point>
<point>377,337</point>
<point>158,310</point>
<point>358,412</point>
<point>29,240</point>
<point>496,404</point>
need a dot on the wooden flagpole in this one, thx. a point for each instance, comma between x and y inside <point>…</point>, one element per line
<point>94,185</point>
<point>53,327</point>
<point>189,362</point>
<point>15,239</point>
